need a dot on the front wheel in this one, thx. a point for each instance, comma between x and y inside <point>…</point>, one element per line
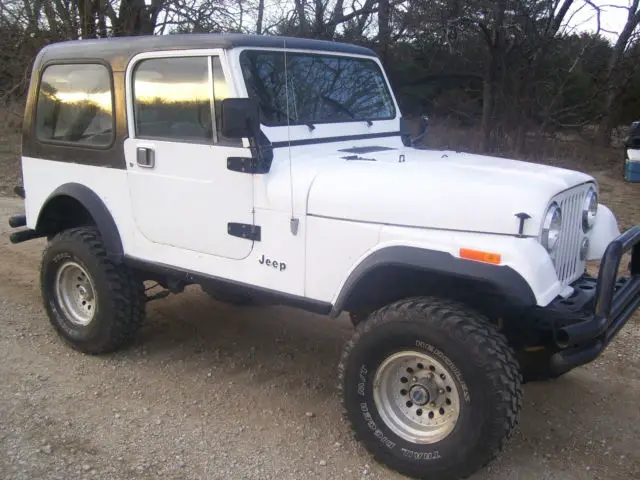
<point>431,388</point>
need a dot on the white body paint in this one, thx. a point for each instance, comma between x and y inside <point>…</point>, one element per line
<point>176,214</point>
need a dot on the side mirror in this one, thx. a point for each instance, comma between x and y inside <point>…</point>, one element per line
<point>413,130</point>
<point>240,118</point>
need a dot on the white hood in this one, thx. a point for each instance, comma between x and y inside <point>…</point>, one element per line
<point>436,189</point>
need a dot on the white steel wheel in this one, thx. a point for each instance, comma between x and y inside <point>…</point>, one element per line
<point>416,397</point>
<point>75,293</point>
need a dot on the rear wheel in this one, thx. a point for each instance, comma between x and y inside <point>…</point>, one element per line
<point>97,306</point>
<point>430,387</point>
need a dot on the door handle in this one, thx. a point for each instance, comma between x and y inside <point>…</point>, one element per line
<point>145,157</point>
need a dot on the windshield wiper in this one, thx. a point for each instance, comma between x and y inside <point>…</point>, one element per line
<point>279,111</point>
<point>343,108</point>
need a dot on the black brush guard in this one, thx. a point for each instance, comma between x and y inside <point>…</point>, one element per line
<point>609,306</point>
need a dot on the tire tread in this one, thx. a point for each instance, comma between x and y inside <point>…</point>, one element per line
<point>467,326</point>
<point>127,292</point>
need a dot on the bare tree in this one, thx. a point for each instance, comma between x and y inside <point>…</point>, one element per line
<point>543,21</point>
<point>617,76</point>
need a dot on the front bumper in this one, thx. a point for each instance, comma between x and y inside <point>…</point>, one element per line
<point>584,324</point>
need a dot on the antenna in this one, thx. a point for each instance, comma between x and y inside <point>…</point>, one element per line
<point>294,222</point>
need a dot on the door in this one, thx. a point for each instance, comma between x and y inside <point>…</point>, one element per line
<point>181,191</point>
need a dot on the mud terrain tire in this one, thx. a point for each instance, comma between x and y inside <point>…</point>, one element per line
<point>483,372</point>
<point>75,269</point>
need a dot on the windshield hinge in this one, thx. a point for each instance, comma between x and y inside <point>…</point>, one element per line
<point>244,230</point>
<point>523,217</point>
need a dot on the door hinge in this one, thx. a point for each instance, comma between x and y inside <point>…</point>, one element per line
<point>244,230</point>
<point>245,165</point>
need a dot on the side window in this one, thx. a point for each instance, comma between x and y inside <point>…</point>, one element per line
<point>75,104</point>
<point>172,99</point>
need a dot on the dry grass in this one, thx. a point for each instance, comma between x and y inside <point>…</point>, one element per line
<point>10,124</point>
<point>569,150</point>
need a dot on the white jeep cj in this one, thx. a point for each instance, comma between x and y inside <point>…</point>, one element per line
<point>277,170</point>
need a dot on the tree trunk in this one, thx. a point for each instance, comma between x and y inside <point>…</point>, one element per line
<point>384,27</point>
<point>100,10</point>
<point>260,17</point>
<point>488,100</point>
<point>87,20</point>
<point>520,141</point>
<point>302,16</point>
<point>493,37</point>
<point>319,30</point>
<point>338,13</point>
<point>615,81</point>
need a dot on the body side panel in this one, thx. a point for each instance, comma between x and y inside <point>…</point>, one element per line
<point>43,177</point>
<point>328,270</point>
<point>275,263</point>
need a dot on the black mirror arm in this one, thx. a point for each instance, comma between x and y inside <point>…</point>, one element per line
<point>254,142</point>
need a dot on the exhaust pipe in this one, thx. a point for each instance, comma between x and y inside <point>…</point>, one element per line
<point>18,221</point>
<point>24,235</point>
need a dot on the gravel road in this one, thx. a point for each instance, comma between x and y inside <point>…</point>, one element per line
<point>216,392</point>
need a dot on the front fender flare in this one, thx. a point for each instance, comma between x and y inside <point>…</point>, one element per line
<point>99,212</point>
<point>504,279</point>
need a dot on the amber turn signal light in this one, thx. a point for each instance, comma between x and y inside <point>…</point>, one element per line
<point>480,256</point>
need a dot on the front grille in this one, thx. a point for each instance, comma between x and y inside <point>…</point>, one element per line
<point>569,267</point>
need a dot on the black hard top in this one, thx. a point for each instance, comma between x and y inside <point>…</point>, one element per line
<point>118,51</point>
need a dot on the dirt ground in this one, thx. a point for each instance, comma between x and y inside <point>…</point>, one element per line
<point>217,392</point>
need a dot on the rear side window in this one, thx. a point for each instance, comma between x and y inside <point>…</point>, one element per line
<point>75,105</point>
<point>172,99</point>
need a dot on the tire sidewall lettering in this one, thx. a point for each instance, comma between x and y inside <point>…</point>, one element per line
<point>363,376</point>
<point>434,455</point>
<point>377,432</point>
<point>450,365</point>
<point>362,385</point>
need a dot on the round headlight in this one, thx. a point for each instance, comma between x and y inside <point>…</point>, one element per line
<point>589,210</point>
<point>551,227</point>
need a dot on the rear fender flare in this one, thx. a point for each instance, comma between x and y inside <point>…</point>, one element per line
<point>97,209</point>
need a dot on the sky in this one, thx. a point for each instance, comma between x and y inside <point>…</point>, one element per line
<point>612,19</point>
<point>584,18</point>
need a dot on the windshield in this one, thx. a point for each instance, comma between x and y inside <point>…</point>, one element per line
<point>321,88</point>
